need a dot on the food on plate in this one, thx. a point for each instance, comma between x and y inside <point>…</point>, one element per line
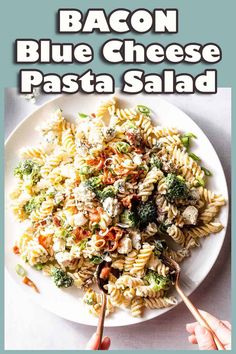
<point>112,187</point>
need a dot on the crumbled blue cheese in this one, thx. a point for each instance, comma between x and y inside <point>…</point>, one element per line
<point>51,138</point>
<point>59,245</point>
<point>119,185</point>
<point>125,245</point>
<point>136,239</point>
<point>75,251</point>
<point>83,128</point>
<point>113,120</point>
<point>111,206</point>
<point>137,159</point>
<point>83,193</point>
<point>194,196</point>
<point>190,215</point>
<point>67,171</point>
<point>95,136</point>
<point>82,150</point>
<point>65,259</point>
<point>109,133</point>
<point>80,219</point>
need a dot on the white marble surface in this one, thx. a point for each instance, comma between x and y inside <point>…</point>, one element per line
<point>28,326</point>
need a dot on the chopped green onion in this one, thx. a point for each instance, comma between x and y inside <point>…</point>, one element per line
<point>123,147</point>
<point>82,115</point>
<point>20,270</point>
<point>89,302</point>
<point>185,141</point>
<point>206,171</point>
<point>194,157</point>
<point>38,266</point>
<point>96,260</point>
<point>143,109</point>
<point>186,138</point>
<point>85,170</point>
<point>82,244</point>
<point>190,135</point>
<point>95,227</point>
<point>201,182</point>
<point>131,125</point>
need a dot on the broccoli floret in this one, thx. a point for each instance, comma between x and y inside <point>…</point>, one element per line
<point>62,233</point>
<point>94,183</point>
<point>83,243</point>
<point>28,169</point>
<point>157,282</point>
<point>24,168</point>
<point>162,229</point>
<point>107,192</point>
<point>155,162</point>
<point>33,203</point>
<point>147,213</point>
<point>176,188</point>
<point>128,218</point>
<point>61,278</point>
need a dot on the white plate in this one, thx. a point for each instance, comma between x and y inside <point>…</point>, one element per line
<point>67,303</point>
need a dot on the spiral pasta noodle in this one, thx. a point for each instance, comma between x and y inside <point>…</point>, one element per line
<point>111,188</point>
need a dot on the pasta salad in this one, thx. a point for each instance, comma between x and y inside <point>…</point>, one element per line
<point>114,187</point>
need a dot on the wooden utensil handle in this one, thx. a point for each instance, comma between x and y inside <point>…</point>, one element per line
<point>101,319</point>
<point>198,317</point>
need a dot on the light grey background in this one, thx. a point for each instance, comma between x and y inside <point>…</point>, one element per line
<point>27,326</point>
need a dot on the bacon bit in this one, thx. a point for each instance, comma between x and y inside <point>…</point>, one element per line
<point>139,150</point>
<point>93,115</point>
<point>112,246</point>
<point>56,221</point>
<point>101,163</point>
<point>30,283</point>
<point>42,241</point>
<point>114,233</point>
<point>91,162</point>
<point>80,234</point>
<point>105,272</point>
<point>108,178</point>
<point>98,162</point>
<point>132,138</point>
<point>40,223</point>
<point>16,250</point>
<point>111,237</point>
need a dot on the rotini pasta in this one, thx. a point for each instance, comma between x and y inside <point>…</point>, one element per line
<point>111,186</point>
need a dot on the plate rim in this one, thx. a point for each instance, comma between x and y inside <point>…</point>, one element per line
<point>216,256</point>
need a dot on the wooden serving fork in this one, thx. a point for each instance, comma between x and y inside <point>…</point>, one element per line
<point>174,266</point>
